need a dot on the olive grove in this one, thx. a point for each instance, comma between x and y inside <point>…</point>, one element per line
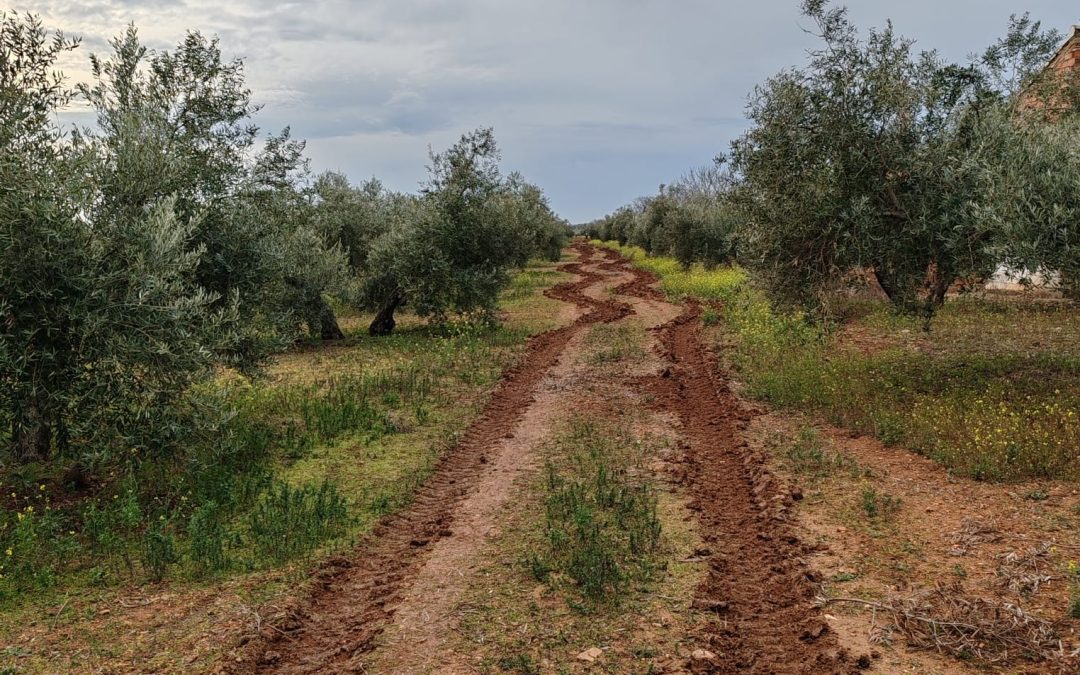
<point>875,156</point>
<point>142,254</point>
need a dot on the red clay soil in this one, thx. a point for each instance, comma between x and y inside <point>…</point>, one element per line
<point>757,585</point>
<point>353,598</point>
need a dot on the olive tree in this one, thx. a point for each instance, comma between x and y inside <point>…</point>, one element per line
<point>693,219</point>
<point>180,125</point>
<point>102,328</point>
<point>352,217</point>
<point>272,219</point>
<point>614,227</point>
<point>525,208</point>
<point>450,248</point>
<point>1037,205</point>
<point>872,156</point>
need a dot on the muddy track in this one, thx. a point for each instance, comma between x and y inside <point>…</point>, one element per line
<point>353,597</point>
<point>603,311</point>
<point>757,585</point>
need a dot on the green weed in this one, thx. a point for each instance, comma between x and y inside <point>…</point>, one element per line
<point>609,343</point>
<point>288,522</point>
<point>208,533</point>
<point>877,504</point>
<point>601,520</point>
<point>519,663</point>
<point>158,551</point>
<point>807,455</point>
<point>33,548</point>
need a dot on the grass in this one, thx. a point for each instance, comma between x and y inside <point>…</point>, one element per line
<point>601,528</point>
<point>877,504</point>
<point>548,593</point>
<point>609,343</point>
<point>331,439</point>
<point>993,392</point>
<point>807,455</point>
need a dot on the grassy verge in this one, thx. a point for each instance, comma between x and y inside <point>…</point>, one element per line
<point>308,459</point>
<point>992,392</point>
<point>593,566</point>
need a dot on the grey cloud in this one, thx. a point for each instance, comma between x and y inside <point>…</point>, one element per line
<point>597,101</point>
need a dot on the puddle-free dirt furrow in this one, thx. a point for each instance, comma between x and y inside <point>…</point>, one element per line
<point>421,637</point>
<point>355,596</point>
<point>756,586</point>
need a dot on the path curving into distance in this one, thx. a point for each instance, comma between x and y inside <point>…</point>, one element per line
<point>356,596</point>
<point>389,605</point>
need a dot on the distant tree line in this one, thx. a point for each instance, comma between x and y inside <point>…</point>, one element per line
<point>143,253</point>
<point>874,156</point>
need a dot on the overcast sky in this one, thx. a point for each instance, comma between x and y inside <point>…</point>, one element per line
<point>597,101</point>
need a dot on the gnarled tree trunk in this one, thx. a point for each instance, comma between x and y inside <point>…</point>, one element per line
<point>383,323</point>
<point>328,325</point>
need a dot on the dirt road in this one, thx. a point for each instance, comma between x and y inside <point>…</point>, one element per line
<point>393,604</point>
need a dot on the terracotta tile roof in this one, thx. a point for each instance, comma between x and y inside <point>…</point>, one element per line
<point>1068,55</point>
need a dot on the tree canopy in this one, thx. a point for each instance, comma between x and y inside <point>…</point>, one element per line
<point>141,254</point>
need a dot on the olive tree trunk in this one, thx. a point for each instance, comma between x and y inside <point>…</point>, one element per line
<point>31,434</point>
<point>383,323</point>
<point>328,324</point>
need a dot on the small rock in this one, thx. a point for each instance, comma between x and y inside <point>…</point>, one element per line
<point>271,657</point>
<point>590,654</point>
<point>705,605</point>
<point>702,661</point>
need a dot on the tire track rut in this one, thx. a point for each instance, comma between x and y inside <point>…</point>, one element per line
<point>354,596</point>
<point>757,587</point>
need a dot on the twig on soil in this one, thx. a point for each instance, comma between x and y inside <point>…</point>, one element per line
<point>59,611</point>
<point>258,621</point>
<point>130,604</point>
<point>943,619</point>
<point>1025,572</point>
<point>973,532</point>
